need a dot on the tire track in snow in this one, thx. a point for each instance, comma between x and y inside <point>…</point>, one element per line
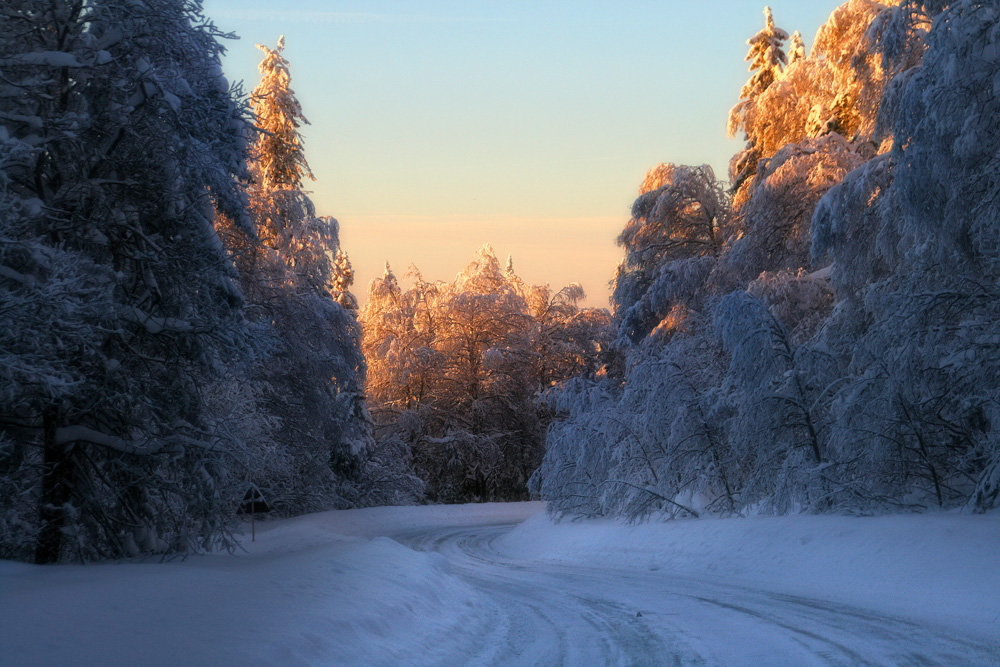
<point>547,613</point>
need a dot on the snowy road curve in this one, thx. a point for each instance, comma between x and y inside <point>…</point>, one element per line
<point>543,613</point>
<point>501,584</point>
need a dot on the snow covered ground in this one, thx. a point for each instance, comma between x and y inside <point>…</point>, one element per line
<point>453,585</point>
<point>943,567</point>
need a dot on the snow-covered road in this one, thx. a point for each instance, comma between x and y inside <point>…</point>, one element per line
<point>544,613</point>
<point>502,584</point>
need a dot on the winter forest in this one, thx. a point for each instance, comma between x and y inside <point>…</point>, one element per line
<point>817,331</point>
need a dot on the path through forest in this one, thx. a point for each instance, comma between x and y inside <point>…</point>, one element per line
<point>501,584</point>
<point>546,613</point>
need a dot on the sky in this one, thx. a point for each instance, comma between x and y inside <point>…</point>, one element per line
<point>438,126</point>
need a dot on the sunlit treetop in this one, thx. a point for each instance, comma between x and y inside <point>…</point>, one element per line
<point>797,49</point>
<point>341,281</point>
<point>279,158</point>
<point>767,59</point>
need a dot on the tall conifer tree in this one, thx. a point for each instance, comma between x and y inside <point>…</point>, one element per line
<point>767,60</point>
<point>280,161</point>
<point>297,279</point>
<point>120,135</point>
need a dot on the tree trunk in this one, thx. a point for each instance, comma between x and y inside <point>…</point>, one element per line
<point>55,494</point>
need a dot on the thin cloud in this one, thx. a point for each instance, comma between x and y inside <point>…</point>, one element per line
<point>299,16</point>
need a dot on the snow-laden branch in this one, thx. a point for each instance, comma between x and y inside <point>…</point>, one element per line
<point>66,435</point>
<point>157,325</point>
<point>69,434</point>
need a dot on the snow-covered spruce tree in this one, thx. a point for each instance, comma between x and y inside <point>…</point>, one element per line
<point>796,49</point>
<point>285,218</point>
<point>120,135</point>
<point>311,380</point>
<point>280,160</point>
<point>343,278</point>
<point>767,60</point>
<point>916,250</point>
<point>57,297</point>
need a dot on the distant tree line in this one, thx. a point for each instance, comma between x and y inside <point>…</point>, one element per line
<point>455,370</point>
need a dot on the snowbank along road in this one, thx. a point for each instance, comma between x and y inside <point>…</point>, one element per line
<point>547,613</point>
<point>502,585</point>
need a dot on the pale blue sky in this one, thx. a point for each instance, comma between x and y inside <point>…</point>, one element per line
<point>439,126</point>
